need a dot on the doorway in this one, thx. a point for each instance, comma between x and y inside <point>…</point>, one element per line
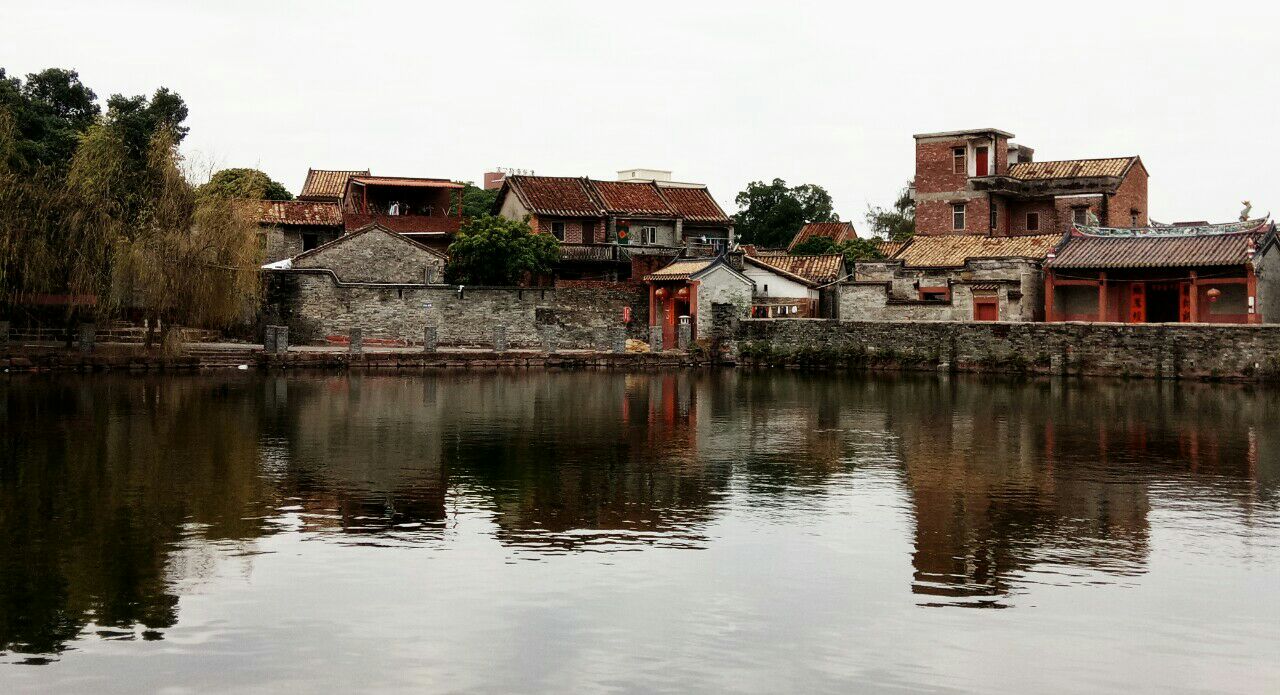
<point>1162,303</point>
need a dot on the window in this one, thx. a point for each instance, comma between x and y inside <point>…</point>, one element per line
<point>1133,218</point>
<point>995,221</point>
<point>957,217</point>
<point>1033,221</point>
<point>958,160</point>
<point>1080,216</point>
<point>557,230</point>
<point>649,235</point>
<point>310,241</point>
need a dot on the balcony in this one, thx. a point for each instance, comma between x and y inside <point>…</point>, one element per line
<point>1039,188</point>
<point>404,224</point>
<point>598,253</point>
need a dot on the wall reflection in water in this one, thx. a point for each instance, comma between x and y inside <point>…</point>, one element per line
<point>114,491</point>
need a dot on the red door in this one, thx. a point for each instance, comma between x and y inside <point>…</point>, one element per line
<point>981,161</point>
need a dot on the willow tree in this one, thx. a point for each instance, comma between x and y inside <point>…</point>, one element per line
<point>176,257</point>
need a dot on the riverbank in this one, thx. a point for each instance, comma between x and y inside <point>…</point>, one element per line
<point>216,356</point>
<point>1204,352</point>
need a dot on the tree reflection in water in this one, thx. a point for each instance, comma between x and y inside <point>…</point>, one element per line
<point>113,489</point>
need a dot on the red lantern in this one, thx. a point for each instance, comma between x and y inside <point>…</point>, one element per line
<point>662,292</point>
<point>684,292</point>
<point>1214,293</point>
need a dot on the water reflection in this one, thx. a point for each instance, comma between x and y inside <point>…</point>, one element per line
<point>118,492</point>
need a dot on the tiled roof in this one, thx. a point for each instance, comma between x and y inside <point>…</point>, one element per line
<point>839,232</point>
<point>1071,168</point>
<point>694,204</point>
<point>1091,252</point>
<point>681,269</point>
<point>888,248</point>
<point>629,198</point>
<point>814,270</point>
<point>405,182</point>
<point>298,212</point>
<point>325,184</point>
<point>952,250</point>
<point>555,195</point>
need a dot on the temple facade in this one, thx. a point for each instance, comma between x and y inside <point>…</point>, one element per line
<point>1212,273</point>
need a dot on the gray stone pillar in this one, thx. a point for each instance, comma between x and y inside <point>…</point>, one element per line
<point>269,340</point>
<point>88,332</point>
<point>355,341</point>
<point>684,333</point>
<point>282,339</point>
<point>4,335</point>
<point>655,338</point>
<point>619,340</point>
<point>499,338</point>
<point>430,338</point>
<point>550,338</point>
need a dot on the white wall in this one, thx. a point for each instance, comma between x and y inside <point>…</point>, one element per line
<point>771,284</point>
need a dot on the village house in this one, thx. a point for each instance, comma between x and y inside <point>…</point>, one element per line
<point>290,227</point>
<point>795,286</point>
<point>607,227</point>
<point>1219,273</point>
<point>427,210</point>
<point>978,182</point>
<point>838,232</point>
<point>954,277</point>
<point>684,290</point>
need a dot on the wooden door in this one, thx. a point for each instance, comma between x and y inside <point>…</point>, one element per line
<point>980,161</point>
<point>1137,302</point>
<point>1184,302</point>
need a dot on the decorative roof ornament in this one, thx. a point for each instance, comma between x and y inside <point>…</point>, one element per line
<point>1244,214</point>
<point>1242,227</point>
<point>1090,219</point>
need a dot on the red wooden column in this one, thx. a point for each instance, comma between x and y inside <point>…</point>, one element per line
<point>1194,300</point>
<point>1102,296</point>
<point>1048,297</point>
<point>1251,278</point>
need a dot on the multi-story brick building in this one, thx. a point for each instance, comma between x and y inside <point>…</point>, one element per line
<point>978,182</point>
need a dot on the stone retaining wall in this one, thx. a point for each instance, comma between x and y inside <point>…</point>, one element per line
<point>1197,351</point>
<point>316,305</point>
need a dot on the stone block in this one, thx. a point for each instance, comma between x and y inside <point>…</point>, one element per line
<point>88,332</point>
<point>430,338</point>
<point>549,337</point>
<point>655,338</point>
<point>282,339</point>
<point>499,338</point>
<point>619,340</point>
<point>355,342</point>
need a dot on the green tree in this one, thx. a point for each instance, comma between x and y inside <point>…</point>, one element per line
<point>476,201</point>
<point>769,214</point>
<point>493,250</point>
<point>897,223</point>
<point>250,184</point>
<point>49,113</point>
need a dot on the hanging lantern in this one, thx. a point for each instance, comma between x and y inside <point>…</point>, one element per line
<point>684,292</point>
<point>1214,293</point>
<point>662,292</point>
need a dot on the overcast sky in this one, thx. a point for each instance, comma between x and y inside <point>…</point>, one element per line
<point>720,93</point>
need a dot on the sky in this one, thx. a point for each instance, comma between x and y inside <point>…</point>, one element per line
<point>719,93</point>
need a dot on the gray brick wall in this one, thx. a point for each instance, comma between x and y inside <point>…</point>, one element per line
<point>377,256</point>
<point>1187,351</point>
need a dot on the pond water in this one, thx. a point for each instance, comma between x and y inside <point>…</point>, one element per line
<point>677,532</point>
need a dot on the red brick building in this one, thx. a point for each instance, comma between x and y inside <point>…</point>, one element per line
<point>978,182</point>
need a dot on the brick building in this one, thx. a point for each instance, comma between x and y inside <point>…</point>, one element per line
<point>978,182</point>
<point>617,229</point>
<point>333,202</point>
